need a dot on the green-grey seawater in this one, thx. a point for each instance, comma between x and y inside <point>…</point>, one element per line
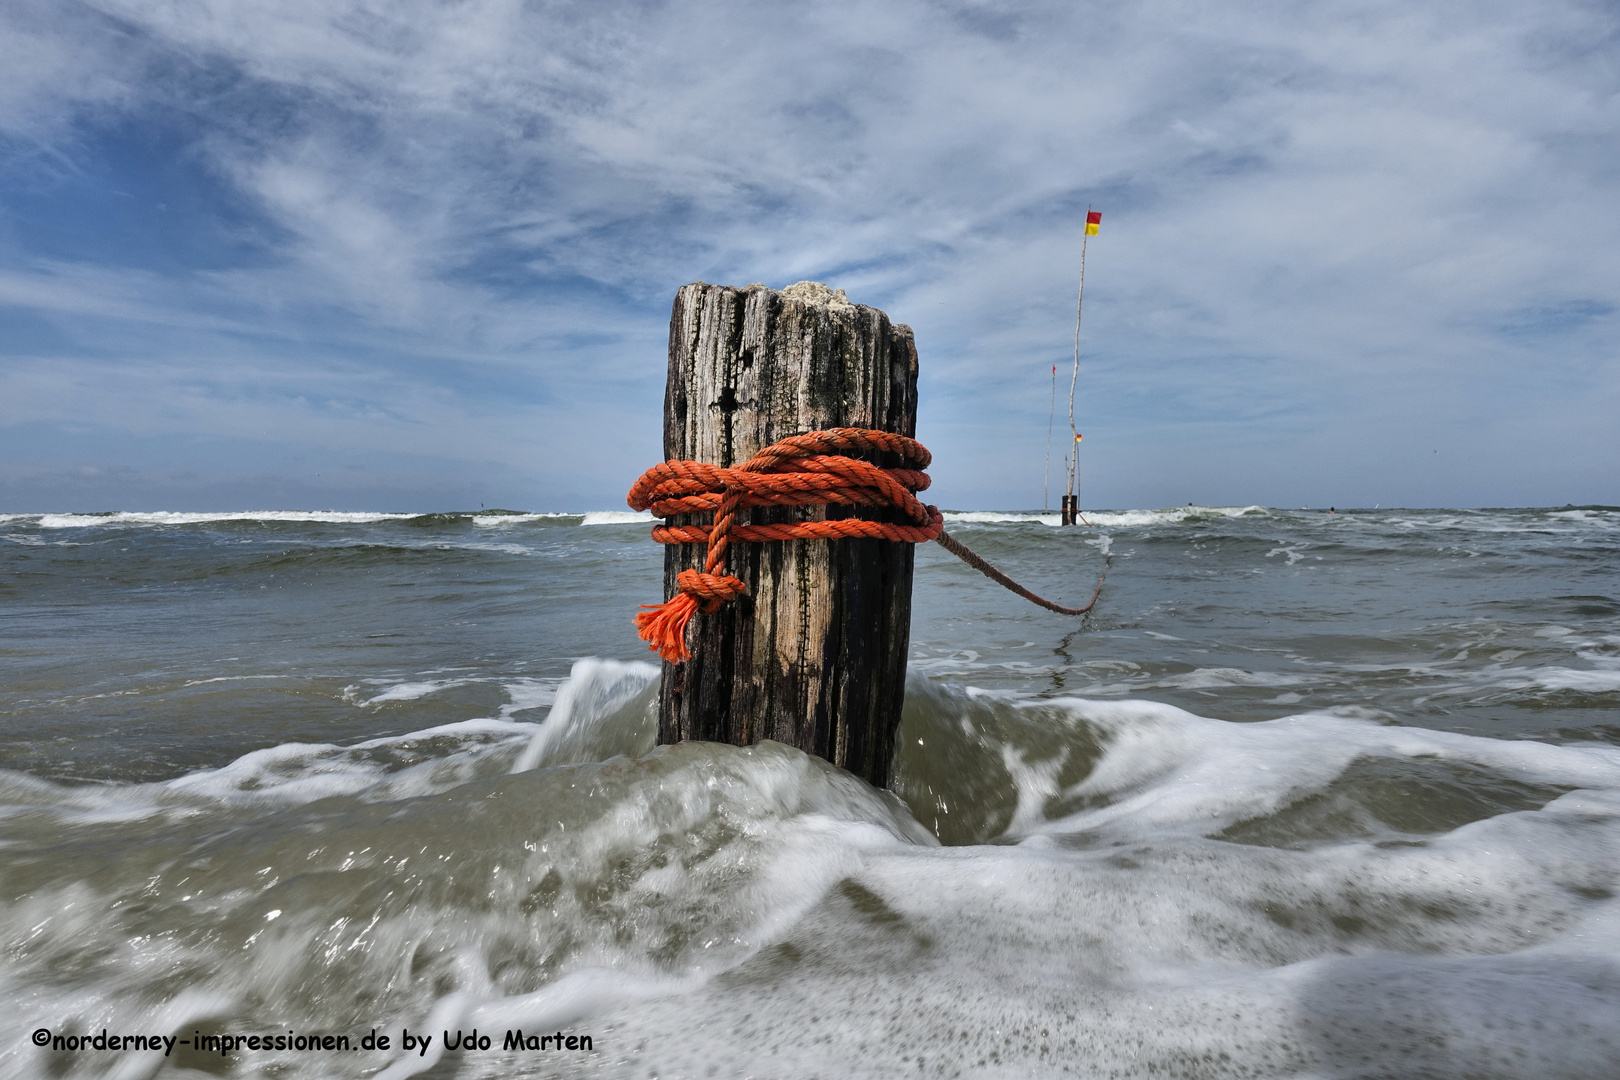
<point>1308,795</point>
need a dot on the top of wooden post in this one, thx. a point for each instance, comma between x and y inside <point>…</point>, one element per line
<point>766,363</point>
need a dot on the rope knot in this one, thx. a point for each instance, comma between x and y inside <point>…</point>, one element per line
<point>713,588</point>
<point>663,626</point>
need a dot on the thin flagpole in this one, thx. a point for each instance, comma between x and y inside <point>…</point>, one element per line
<point>1080,296</point>
<point>1046,473</point>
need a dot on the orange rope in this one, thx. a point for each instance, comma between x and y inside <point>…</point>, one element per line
<point>802,470</point>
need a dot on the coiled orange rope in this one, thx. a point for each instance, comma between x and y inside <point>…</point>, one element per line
<point>802,470</point>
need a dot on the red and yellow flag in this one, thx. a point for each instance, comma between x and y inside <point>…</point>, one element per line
<point>1093,222</point>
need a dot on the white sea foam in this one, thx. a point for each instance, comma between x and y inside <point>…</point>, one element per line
<point>407,691</point>
<point>1112,678</point>
<point>331,517</point>
<point>1598,517</point>
<point>1105,518</point>
<point>228,678</point>
<point>596,715</point>
<point>540,899</point>
<point>1126,940</point>
<point>1601,681</point>
<point>494,520</point>
<point>998,517</point>
<point>1554,523</point>
<point>1120,933</point>
<point>1208,678</point>
<point>589,726</point>
<point>1176,516</point>
<point>1167,769</point>
<point>504,549</point>
<point>124,518</point>
<point>617,517</point>
<point>526,694</point>
<point>422,762</point>
<point>1028,962</point>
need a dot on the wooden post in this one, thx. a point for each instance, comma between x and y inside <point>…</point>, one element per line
<point>815,655</point>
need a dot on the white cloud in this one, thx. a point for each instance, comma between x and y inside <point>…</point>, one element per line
<point>1318,217</point>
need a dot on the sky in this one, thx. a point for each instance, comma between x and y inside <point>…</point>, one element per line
<point>319,254</point>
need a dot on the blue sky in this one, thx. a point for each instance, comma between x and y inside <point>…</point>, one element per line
<point>421,255</point>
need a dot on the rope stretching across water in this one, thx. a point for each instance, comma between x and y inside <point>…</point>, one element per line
<point>802,470</point>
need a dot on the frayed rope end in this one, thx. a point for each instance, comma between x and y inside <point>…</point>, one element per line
<point>663,626</point>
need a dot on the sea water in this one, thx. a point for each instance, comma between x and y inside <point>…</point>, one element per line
<point>1307,795</point>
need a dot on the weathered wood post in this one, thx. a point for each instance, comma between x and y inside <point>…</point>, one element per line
<point>815,654</point>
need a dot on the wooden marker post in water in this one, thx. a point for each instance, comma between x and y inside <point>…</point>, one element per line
<point>814,655</point>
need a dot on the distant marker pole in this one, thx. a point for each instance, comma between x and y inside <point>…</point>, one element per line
<point>1071,501</point>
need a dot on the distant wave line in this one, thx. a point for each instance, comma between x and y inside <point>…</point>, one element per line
<point>311,517</point>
